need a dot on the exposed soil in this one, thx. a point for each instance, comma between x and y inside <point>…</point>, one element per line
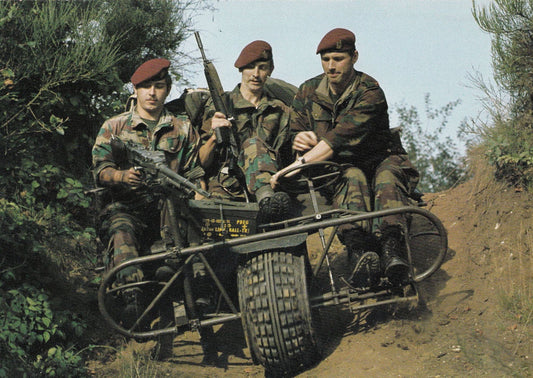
<point>461,331</point>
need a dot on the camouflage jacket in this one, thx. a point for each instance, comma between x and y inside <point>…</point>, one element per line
<point>268,121</point>
<point>172,134</point>
<point>356,126</point>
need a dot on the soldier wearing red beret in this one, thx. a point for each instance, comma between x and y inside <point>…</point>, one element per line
<point>260,127</point>
<point>341,115</point>
<point>131,221</point>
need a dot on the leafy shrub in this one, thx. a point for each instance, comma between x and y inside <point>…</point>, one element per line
<point>509,139</point>
<point>436,157</point>
<point>20,234</point>
<point>36,337</point>
<point>31,331</point>
<point>63,66</point>
<point>512,156</point>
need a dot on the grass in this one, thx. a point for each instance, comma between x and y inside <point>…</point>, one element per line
<point>135,361</point>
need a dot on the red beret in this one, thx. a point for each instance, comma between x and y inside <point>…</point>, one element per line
<point>337,40</point>
<point>154,68</point>
<point>256,50</point>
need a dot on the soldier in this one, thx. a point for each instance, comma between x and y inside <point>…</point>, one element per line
<point>341,116</point>
<point>131,222</point>
<point>260,129</point>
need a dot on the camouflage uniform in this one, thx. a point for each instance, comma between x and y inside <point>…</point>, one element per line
<point>260,133</point>
<point>356,127</point>
<point>134,212</point>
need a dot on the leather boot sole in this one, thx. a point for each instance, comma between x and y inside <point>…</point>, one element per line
<point>366,271</point>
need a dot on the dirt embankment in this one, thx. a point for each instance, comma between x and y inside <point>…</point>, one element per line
<point>462,331</point>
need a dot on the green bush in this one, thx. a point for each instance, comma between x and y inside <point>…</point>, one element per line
<point>37,337</point>
<point>32,332</point>
<point>511,152</point>
<point>508,141</point>
<point>436,157</point>
<point>63,69</point>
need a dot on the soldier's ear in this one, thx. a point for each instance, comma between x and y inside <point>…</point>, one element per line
<point>355,56</point>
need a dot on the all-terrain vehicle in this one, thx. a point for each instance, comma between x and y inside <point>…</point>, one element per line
<point>230,268</point>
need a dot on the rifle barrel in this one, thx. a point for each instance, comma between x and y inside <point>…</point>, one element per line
<point>181,180</point>
<point>200,46</point>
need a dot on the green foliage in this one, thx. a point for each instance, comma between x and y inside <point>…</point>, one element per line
<point>31,330</point>
<point>55,203</point>
<point>510,150</point>
<point>36,337</point>
<point>510,24</point>
<point>53,68</point>
<point>19,231</point>
<point>436,157</point>
<point>153,28</point>
<point>64,64</point>
<point>63,69</point>
<point>508,140</point>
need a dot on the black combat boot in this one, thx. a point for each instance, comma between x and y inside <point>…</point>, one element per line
<point>273,207</point>
<point>361,256</point>
<point>365,274</point>
<point>394,265</point>
<point>164,273</point>
<point>133,299</point>
<point>280,206</point>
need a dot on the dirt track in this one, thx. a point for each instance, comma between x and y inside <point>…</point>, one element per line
<point>461,331</point>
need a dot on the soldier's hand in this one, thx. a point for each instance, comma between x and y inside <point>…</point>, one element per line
<point>304,141</point>
<point>219,120</point>
<point>274,180</point>
<point>132,177</point>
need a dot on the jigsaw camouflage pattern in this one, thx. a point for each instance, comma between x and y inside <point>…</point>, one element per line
<point>260,132</point>
<point>121,224</point>
<point>258,162</point>
<point>356,127</point>
<point>135,212</point>
<point>172,134</point>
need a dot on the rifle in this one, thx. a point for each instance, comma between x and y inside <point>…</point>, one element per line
<point>153,165</point>
<point>216,91</point>
<point>225,138</point>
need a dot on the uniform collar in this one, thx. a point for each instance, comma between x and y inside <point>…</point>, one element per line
<point>323,94</point>
<point>165,120</point>
<point>239,102</point>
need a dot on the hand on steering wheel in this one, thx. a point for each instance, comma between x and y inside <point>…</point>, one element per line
<point>296,178</point>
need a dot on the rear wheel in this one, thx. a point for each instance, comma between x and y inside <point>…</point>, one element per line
<point>428,243</point>
<point>275,311</point>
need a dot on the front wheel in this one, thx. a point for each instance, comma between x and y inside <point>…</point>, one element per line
<point>275,310</point>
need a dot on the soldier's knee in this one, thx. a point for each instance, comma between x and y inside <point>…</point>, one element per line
<point>385,177</point>
<point>355,175</point>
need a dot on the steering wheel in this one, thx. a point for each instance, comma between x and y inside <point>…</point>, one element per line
<point>320,173</point>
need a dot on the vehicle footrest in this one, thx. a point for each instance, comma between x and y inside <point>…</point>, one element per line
<point>376,302</point>
<point>357,301</point>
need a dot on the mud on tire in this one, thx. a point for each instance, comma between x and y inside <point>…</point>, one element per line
<point>275,311</point>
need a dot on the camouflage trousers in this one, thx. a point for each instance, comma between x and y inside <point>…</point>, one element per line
<point>127,230</point>
<point>257,162</point>
<point>387,187</point>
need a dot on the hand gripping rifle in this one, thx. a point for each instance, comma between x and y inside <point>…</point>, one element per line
<point>225,136</point>
<point>153,165</point>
